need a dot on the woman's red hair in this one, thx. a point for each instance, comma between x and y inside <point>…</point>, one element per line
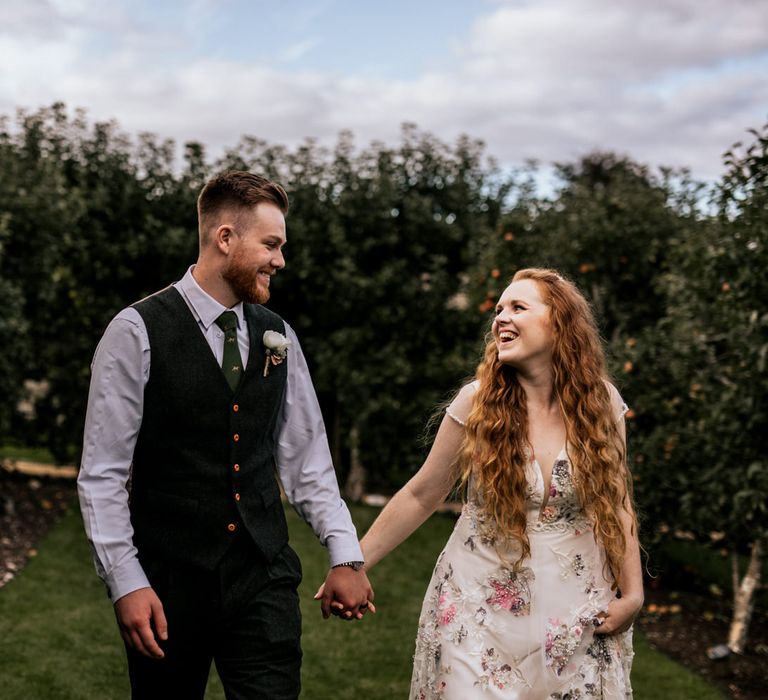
<point>496,450</point>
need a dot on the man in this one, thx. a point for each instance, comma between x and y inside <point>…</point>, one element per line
<point>177,486</point>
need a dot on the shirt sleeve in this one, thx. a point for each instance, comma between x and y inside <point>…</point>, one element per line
<point>119,371</point>
<point>304,463</point>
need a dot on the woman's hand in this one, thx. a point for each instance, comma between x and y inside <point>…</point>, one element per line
<point>620,615</point>
<point>331,604</point>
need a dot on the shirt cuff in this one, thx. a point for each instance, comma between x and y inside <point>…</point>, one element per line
<point>343,549</point>
<point>125,579</point>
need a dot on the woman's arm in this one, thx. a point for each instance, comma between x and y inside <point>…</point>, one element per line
<point>419,498</point>
<point>622,611</point>
<point>428,488</point>
<point>408,509</point>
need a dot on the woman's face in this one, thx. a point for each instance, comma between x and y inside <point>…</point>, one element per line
<point>522,328</point>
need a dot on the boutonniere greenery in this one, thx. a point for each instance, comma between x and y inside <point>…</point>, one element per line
<point>276,345</point>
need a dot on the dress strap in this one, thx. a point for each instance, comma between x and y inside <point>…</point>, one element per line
<point>458,420</point>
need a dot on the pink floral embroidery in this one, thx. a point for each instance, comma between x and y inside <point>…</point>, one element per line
<point>563,511</point>
<point>511,591</point>
<point>549,514</point>
<point>447,615</point>
<point>496,673</point>
<point>560,643</point>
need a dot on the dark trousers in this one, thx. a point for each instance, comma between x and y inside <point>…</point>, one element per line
<point>244,616</point>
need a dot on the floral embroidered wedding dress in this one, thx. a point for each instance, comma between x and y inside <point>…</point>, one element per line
<point>488,632</point>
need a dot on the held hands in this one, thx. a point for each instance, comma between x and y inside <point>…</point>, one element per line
<point>137,614</point>
<point>346,593</point>
<point>620,615</point>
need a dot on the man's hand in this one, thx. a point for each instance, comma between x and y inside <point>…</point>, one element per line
<point>137,613</point>
<point>346,593</point>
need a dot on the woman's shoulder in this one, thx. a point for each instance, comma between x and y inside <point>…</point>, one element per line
<point>461,405</point>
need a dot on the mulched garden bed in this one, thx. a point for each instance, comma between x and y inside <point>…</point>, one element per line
<point>28,507</point>
<point>684,624</point>
<point>681,624</point>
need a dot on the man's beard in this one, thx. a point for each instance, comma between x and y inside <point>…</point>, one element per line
<point>243,282</point>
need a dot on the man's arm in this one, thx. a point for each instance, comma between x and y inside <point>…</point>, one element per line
<point>309,480</point>
<point>120,370</point>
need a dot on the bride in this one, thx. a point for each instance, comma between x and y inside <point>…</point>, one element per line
<point>536,590</point>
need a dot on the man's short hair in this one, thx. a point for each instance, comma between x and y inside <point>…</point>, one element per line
<point>236,190</point>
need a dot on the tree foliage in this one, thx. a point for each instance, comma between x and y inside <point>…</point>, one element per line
<point>709,355</point>
<point>396,255</point>
<point>378,242</point>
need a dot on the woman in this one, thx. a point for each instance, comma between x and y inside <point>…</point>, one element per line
<point>536,590</point>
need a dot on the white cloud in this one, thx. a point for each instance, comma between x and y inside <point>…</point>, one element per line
<point>601,40</point>
<point>27,16</point>
<point>668,82</point>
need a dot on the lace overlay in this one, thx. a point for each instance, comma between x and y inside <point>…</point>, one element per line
<point>488,631</point>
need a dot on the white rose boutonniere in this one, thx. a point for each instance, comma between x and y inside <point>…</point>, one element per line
<point>277,348</point>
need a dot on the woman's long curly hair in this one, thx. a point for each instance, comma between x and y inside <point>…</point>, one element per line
<point>496,448</point>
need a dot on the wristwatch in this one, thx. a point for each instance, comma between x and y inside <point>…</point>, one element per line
<point>356,565</point>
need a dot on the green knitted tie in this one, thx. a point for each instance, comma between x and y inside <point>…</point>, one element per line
<point>231,364</point>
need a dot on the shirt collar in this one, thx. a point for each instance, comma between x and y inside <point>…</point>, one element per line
<point>205,308</point>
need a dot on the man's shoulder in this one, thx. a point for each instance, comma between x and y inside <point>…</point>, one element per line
<point>159,303</point>
<point>161,296</point>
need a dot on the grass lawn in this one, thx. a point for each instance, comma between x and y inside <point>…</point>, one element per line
<point>58,638</point>
<point>29,454</point>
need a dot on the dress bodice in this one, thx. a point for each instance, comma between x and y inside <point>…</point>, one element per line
<point>560,508</point>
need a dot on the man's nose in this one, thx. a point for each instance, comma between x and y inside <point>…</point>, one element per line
<point>278,260</point>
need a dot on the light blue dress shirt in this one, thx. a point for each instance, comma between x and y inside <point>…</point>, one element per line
<point>120,370</point>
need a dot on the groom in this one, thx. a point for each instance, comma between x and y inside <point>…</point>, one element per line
<point>192,405</point>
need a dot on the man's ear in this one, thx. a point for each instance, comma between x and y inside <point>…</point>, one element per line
<point>222,237</point>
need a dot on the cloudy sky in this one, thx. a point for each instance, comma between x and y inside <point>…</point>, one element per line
<point>671,82</point>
